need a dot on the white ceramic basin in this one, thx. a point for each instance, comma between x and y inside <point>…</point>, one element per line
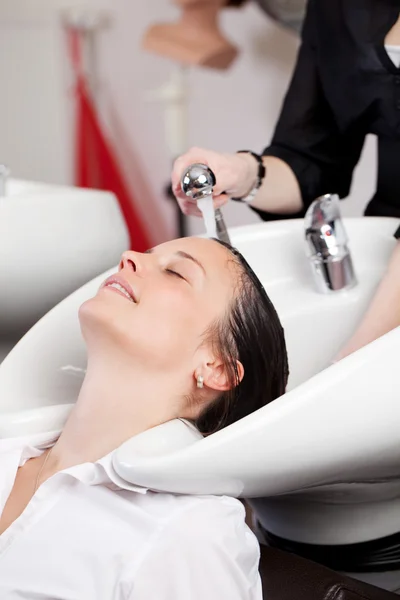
<point>53,239</point>
<point>19,188</point>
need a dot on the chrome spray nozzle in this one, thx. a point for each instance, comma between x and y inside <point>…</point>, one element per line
<point>197,182</point>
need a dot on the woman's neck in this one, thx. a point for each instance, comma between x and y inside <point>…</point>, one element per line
<point>112,407</point>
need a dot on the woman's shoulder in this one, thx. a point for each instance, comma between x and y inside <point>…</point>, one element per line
<point>215,522</point>
<point>205,536</point>
<point>186,516</point>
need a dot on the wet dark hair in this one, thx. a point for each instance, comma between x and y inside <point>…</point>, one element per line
<point>252,333</point>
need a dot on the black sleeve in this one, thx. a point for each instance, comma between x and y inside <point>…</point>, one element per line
<point>397,234</point>
<point>306,136</point>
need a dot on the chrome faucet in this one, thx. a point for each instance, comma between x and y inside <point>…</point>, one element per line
<point>327,249</point>
<point>4,174</point>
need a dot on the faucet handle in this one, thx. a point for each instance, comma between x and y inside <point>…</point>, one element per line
<point>324,208</point>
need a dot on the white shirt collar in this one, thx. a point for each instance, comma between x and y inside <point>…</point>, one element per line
<point>101,472</point>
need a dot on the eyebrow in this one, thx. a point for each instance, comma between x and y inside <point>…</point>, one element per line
<point>183,254</point>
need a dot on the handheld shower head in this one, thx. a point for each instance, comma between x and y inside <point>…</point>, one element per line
<point>197,182</point>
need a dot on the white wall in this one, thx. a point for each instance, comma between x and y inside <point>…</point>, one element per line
<point>33,120</point>
<point>229,110</point>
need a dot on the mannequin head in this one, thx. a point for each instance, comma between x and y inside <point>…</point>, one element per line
<point>196,39</point>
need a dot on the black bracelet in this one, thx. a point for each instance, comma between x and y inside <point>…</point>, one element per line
<point>260,176</point>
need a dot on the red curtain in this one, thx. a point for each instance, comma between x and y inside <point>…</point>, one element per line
<point>96,165</point>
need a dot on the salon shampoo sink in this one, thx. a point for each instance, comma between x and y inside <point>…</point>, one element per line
<point>322,462</point>
<point>53,239</point>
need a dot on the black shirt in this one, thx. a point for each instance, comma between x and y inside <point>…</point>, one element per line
<point>344,86</point>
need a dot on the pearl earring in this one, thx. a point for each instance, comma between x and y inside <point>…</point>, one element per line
<point>200,381</point>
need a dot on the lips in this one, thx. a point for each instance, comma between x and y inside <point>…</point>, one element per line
<point>121,286</point>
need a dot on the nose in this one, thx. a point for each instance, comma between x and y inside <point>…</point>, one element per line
<point>129,261</point>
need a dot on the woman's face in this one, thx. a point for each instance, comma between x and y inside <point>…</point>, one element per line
<point>159,305</point>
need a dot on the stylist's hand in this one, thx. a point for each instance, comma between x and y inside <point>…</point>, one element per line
<point>234,173</point>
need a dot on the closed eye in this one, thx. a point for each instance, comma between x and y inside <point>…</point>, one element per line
<point>171,272</point>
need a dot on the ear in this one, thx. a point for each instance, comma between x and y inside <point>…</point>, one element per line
<point>216,376</point>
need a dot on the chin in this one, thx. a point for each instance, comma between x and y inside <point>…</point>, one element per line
<point>89,308</point>
<point>96,315</point>
<point>103,323</point>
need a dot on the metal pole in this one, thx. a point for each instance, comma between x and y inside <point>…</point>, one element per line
<point>174,94</point>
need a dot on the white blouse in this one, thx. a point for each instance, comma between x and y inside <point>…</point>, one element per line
<point>88,535</point>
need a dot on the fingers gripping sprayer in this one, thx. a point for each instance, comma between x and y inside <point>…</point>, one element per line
<point>197,182</point>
